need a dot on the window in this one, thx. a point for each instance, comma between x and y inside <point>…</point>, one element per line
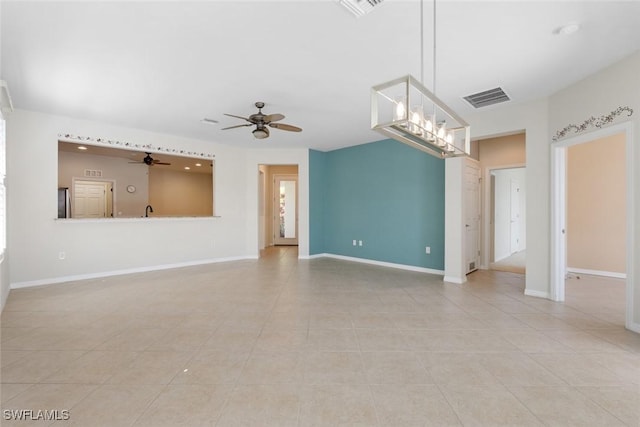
<point>3,200</point>
<point>97,181</point>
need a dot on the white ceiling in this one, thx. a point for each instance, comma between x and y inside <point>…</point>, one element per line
<point>163,66</point>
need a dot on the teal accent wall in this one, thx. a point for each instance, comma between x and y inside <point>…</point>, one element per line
<point>384,193</point>
<point>317,182</point>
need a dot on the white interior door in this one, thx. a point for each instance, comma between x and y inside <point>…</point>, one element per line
<point>472,215</point>
<point>285,207</point>
<point>91,199</point>
<point>514,216</point>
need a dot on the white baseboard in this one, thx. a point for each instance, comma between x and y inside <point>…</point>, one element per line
<point>385,264</point>
<point>54,280</point>
<point>538,294</point>
<point>597,273</point>
<point>314,256</point>
<point>457,280</point>
<point>635,327</point>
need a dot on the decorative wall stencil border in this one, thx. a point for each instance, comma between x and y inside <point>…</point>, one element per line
<point>593,121</point>
<point>146,147</point>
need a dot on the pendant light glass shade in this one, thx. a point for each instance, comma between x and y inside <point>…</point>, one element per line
<point>430,125</point>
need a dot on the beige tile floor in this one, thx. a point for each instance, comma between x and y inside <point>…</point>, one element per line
<point>287,342</point>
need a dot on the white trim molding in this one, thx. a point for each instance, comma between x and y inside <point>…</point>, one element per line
<point>613,274</point>
<point>314,256</point>
<point>73,278</point>
<point>383,264</point>
<point>537,294</point>
<point>558,266</point>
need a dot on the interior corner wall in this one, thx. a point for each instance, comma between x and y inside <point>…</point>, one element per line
<point>180,193</point>
<point>506,150</point>
<point>596,96</point>
<point>387,195</point>
<point>317,189</point>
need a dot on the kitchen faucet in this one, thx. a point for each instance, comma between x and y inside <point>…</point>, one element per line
<point>147,210</point>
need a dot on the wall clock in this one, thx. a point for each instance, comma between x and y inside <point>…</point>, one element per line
<point>131,189</point>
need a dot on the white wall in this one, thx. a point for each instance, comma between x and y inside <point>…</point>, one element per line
<point>455,261</point>
<point>94,247</point>
<point>502,238</point>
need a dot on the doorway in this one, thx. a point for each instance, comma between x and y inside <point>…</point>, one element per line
<point>558,267</point>
<point>285,210</point>
<point>277,213</point>
<point>92,199</point>
<point>507,219</point>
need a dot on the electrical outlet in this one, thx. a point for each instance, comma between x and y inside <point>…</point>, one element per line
<point>354,242</point>
<point>62,255</point>
<point>428,250</point>
<point>359,242</point>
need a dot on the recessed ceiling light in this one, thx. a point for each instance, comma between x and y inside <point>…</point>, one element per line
<point>198,164</point>
<point>187,168</point>
<point>209,121</point>
<point>568,29</point>
<point>81,147</point>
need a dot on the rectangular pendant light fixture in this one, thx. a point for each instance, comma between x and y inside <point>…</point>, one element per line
<point>5,99</point>
<point>405,110</point>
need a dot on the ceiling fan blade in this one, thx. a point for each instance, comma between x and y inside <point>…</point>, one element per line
<point>273,118</point>
<point>237,126</point>
<point>155,162</point>
<point>238,117</point>
<point>136,162</point>
<point>283,126</point>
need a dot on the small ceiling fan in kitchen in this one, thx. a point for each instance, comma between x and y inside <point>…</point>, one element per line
<point>263,122</point>
<point>150,161</point>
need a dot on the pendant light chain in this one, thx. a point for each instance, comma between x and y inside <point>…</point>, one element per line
<point>422,41</point>
<point>434,47</point>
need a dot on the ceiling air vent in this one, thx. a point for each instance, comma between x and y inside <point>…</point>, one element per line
<point>359,7</point>
<point>93,173</point>
<point>488,97</point>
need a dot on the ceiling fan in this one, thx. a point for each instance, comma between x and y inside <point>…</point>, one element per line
<point>150,161</point>
<point>263,122</point>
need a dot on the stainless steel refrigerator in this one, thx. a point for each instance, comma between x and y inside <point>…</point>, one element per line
<point>64,203</point>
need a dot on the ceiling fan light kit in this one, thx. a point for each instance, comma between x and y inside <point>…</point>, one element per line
<point>261,121</point>
<point>261,133</point>
<point>150,161</point>
<point>405,110</point>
